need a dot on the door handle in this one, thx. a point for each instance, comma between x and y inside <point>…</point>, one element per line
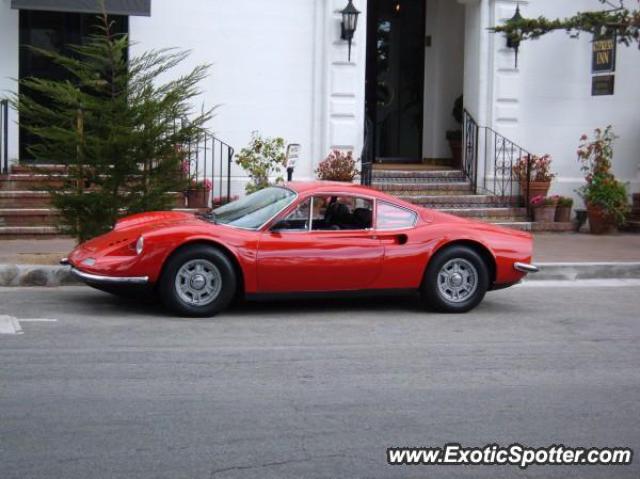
<point>392,239</point>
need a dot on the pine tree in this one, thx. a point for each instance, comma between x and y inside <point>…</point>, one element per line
<point>116,127</point>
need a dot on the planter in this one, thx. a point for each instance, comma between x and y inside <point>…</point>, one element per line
<point>600,222</point>
<point>544,214</point>
<point>563,214</point>
<point>197,198</point>
<point>536,188</point>
<point>455,145</point>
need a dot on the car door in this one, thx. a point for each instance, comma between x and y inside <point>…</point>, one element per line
<point>295,256</point>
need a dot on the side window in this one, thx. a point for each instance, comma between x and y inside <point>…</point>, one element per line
<point>341,213</point>
<point>392,217</point>
<point>298,219</point>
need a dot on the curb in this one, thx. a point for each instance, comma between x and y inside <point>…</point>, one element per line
<point>36,275</point>
<point>576,271</point>
<point>53,276</point>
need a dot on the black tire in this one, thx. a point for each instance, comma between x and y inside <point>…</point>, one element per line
<point>438,300</point>
<point>167,284</point>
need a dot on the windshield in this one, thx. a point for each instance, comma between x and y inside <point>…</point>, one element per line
<point>254,210</point>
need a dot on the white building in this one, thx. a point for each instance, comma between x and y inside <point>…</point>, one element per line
<point>280,67</point>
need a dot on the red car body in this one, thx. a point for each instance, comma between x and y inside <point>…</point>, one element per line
<point>317,261</point>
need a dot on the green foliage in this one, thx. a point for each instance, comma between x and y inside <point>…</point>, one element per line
<point>619,20</point>
<point>602,188</point>
<point>564,201</point>
<point>115,126</point>
<point>338,166</point>
<point>261,159</point>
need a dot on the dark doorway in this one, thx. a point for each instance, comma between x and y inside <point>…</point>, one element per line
<point>54,31</point>
<point>395,78</point>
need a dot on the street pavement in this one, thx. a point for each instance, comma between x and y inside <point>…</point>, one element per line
<point>98,387</point>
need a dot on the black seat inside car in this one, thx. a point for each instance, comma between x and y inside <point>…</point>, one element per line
<point>362,218</point>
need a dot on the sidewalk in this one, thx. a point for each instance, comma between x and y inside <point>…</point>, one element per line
<point>548,248</point>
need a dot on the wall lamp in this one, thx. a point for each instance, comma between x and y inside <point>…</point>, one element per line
<point>514,41</point>
<point>349,23</point>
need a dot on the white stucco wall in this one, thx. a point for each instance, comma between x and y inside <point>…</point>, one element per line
<point>546,104</point>
<point>9,41</point>
<point>279,68</point>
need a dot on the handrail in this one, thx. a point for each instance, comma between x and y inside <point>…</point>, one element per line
<point>366,157</point>
<point>500,156</point>
<point>4,136</point>
<point>210,158</point>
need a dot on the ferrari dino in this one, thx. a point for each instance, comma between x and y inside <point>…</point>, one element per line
<point>304,238</point>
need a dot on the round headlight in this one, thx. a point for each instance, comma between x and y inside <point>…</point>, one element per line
<point>140,245</point>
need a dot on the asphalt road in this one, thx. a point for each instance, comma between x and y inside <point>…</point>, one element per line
<point>115,389</point>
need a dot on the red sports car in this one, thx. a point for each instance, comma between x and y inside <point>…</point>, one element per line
<point>315,237</point>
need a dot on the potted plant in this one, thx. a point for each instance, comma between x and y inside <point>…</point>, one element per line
<point>198,193</point>
<point>454,137</point>
<point>539,174</point>
<point>262,158</point>
<point>604,196</point>
<point>544,209</point>
<point>338,166</point>
<point>563,209</point>
<point>218,201</point>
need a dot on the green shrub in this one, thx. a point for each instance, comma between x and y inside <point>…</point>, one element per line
<point>262,158</point>
<point>115,126</point>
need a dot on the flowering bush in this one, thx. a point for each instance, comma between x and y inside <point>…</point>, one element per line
<point>338,166</point>
<point>261,159</point>
<point>540,201</point>
<point>540,169</point>
<point>202,185</point>
<point>602,189</point>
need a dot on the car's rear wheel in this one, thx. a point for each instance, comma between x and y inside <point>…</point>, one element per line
<point>198,281</point>
<point>456,280</point>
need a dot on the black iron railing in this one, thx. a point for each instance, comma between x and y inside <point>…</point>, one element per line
<point>500,155</point>
<point>208,164</point>
<point>470,131</point>
<point>366,157</point>
<point>4,137</point>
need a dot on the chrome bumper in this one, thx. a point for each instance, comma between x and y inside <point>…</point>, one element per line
<point>114,280</point>
<point>525,268</point>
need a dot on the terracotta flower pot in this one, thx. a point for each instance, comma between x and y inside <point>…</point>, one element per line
<point>544,214</point>
<point>600,222</point>
<point>197,198</point>
<point>563,214</point>
<point>536,188</point>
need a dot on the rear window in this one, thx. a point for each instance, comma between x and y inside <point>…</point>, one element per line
<point>391,217</point>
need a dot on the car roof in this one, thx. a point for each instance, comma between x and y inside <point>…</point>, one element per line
<point>346,188</point>
<point>333,187</point>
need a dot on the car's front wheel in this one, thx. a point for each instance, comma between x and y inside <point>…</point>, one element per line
<point>456,280</point>
<point>198,281</point>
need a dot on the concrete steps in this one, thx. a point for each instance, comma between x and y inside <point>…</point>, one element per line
<point>28,181</point>
<point>451,192</point>
<point>537,227</point>
<point>29,232</point>
<point>29,217</point>
<point>487,214</point>
<point>25,205</point>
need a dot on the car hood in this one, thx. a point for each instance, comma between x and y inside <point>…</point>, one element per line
<point>154,220</point>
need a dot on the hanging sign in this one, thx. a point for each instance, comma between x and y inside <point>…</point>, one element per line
<point>602,85</point>
<point>604,54</point>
